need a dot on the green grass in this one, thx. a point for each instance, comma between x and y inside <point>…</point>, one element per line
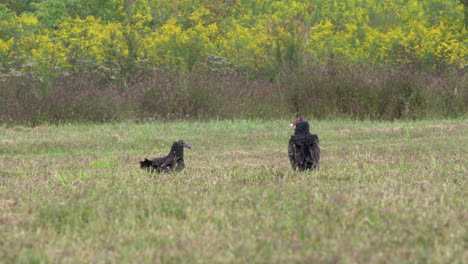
<point>387,192</point>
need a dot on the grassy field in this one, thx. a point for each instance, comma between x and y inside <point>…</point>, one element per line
<point>387,192</point>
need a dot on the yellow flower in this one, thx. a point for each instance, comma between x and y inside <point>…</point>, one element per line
<point>27,19</point>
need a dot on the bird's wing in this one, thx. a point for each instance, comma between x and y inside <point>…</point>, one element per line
<point>157,162</point>
<point>298,148</point>
<point>168,161</point>
<point>313,145</point>
<point>292,153</point>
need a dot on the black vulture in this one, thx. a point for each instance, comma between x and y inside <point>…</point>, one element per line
<point>174,161</point>
<point>304,147</point>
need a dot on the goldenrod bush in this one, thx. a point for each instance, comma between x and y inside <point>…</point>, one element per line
<point>256,34</point>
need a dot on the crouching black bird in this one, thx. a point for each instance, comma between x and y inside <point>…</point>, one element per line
<point>304,147</point>
<point>174,161</point>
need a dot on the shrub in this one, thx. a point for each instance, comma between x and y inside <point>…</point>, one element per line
<point>318,90</point>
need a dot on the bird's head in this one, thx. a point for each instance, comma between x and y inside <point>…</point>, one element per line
<point>297,121</point>
<point>184,144</point>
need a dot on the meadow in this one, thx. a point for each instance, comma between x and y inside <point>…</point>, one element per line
<point>386,192</point>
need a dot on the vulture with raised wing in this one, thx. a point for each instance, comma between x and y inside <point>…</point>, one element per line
<point>304,147</point>
<point>174,161</point>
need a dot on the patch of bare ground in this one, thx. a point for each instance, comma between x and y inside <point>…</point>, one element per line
<point>6,216</point>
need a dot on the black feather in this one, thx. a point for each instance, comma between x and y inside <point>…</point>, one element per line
<point>304,148</point>
<point>174,161</point>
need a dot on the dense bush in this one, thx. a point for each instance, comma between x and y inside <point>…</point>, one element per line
<point>99,60</point>
<point>319,91</point>
<point>252,35</point>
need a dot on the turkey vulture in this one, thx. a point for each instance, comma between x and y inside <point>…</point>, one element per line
<point>173,161</point>
<point>304,148</point>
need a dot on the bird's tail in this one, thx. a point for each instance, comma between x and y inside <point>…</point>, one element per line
<point>146,164</point>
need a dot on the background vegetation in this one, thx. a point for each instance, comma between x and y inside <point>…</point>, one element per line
<point>142,58</point>
<point>386,192</point>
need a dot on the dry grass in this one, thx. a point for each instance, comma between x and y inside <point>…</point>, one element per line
<point>322,90</point>
<point>387,192</point>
